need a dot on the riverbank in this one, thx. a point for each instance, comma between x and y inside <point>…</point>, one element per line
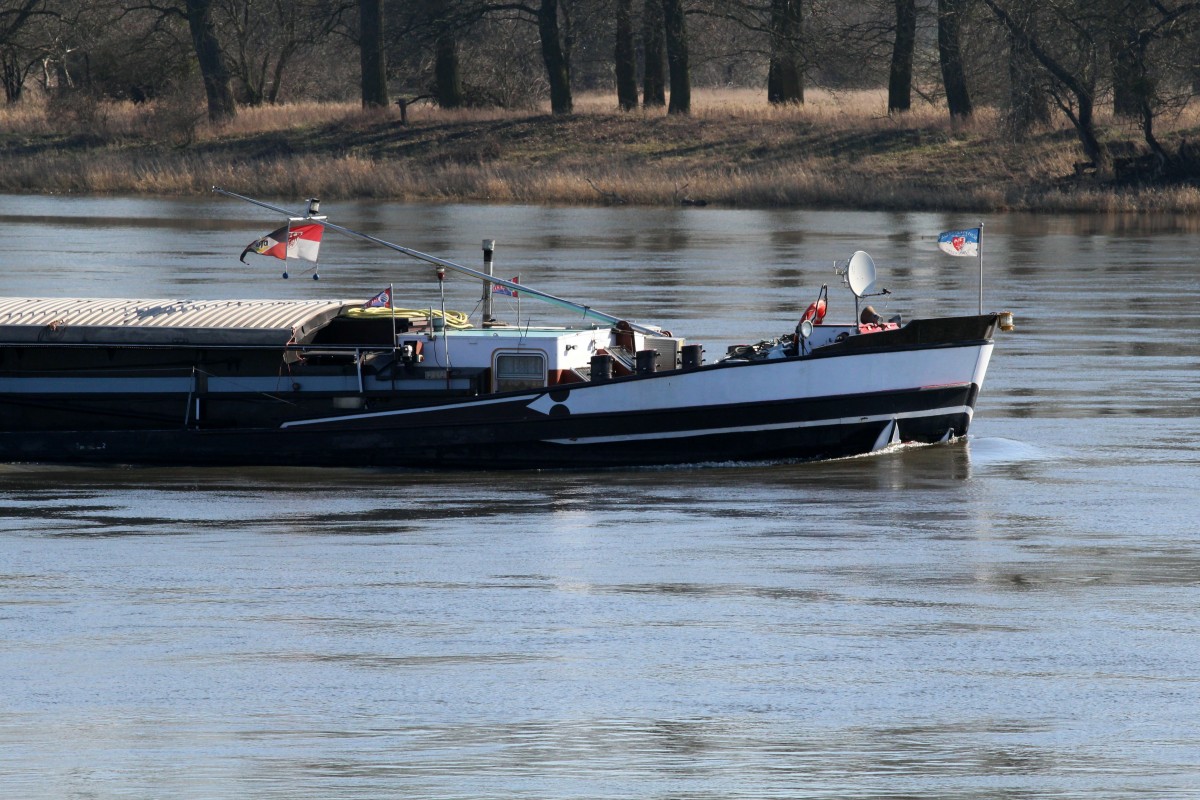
<point>836,151</point>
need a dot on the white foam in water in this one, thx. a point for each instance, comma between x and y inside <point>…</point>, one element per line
<point>998,450</point>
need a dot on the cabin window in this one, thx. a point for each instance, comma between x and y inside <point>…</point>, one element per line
<point>519,371</point>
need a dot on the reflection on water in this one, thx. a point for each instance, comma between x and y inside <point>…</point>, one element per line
<point>1010,615</point>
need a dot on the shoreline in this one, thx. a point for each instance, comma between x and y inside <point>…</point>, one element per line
<point>806,157</point>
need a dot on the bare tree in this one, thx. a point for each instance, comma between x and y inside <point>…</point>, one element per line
<point>210,57</point>
<point>900,76</point>
<point>785,73</point>
<point>264,36</point>
<point>372,55</point>
<point>1128,58</point>
<point>1074,55</point>
<point>16,57</point>
<point>433,27</point>
<point>558,67</point>
<point>1073,73</point>
<point>1155,59</point>
<point>625,57</point>
<point>447,72</point>
<point>554,46</point>
<point>213,68</point>
<point>677,57</point>
<point>15,15</point>
<point>1028,104</point>
<point>654,84</point>
<point>753,32</point>
<point>950,55</point>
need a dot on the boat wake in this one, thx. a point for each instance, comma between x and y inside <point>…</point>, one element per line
<point>998,450</point>
<point>898,447</point>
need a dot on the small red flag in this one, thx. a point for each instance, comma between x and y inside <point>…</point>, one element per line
<point>505,290</point>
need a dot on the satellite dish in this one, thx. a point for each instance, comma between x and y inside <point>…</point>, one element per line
<point>861,274</point>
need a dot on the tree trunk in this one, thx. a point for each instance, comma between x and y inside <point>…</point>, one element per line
<point>447,74</point>
<point>13,76</point>
<point>371,54</point>
<point>557,68</point>
<point>1130,85</point>
<point>625,57</point>
<point>654,89</point>
<point>677,58</point>
<point>446,71</point>
<point>1087,134</point>
<point>1147,119</point>
<point>285,57</point>
<point>900,79</point>
<point>212,65</point>
<point>950,53</point>
<point>1027,101</point>
<point>785,76</point>
<point>1142,91</point>
<point>1125,98</point>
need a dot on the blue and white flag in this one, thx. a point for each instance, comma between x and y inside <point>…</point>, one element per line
<point>960,243</point>
<point>381,300</point>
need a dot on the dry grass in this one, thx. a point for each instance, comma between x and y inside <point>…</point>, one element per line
<point>835,150</point>
<point>26,119</point>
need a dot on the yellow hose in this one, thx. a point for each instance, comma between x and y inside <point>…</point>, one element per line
<point>454,319</point>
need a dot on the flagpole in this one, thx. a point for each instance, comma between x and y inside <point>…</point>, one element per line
<point>981,267</point>
<point>441,273</point>
<point>392,306</point>
<point>287,241</point>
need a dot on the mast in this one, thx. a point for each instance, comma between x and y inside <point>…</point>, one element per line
<point>585,310</point>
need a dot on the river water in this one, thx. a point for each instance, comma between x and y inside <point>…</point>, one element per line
<point>1009,616</point>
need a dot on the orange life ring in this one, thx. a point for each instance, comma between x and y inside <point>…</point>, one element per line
<point>815,312</point>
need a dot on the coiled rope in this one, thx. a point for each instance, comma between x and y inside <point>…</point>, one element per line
<point>454,319</point>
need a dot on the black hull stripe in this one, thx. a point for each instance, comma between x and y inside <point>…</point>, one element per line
<point>360,449</point>
<point>785,431</point>
<point>817,423</point>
